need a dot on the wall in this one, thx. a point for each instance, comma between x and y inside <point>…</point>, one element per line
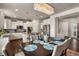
<point>52,26</point>
<point>63,27</point>
<point>72,22</point>
<point>50,21</point>
<point>35,24</point>
<point>67,12</point>
<point>45,22</point>
<point>1,19</point>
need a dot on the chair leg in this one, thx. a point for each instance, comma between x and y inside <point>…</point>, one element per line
<point>65,52</point>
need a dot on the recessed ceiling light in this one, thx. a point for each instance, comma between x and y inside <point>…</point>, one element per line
<point>41,16</point>
<point>14,16</point>
<point>25,18</point>
<point>16,9</point>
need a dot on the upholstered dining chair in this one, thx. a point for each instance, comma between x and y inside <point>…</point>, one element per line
<point>20,53</point>
<point>3,43</point>
<point>68,41</point>
<point>58,49</point>
<point>9,51</point>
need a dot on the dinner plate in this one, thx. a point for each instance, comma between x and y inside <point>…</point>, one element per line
<point>41,42</point>
<point>57,42</point>
<point>31,47</point>
<point>36,41</point>
<point>48,46</point>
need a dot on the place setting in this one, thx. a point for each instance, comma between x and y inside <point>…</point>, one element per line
<point>30,47</point>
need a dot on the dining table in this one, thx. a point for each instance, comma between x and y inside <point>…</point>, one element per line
<point>40,51</point>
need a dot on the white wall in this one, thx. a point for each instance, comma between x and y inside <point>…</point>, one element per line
<point>67,12</point>
<point>52,26</point>
<point>50,21</point>
<point>45,22</point>
<point>63,27</point>
<point>1,19</point>
<point>72,23</point>
<point>35,24</point>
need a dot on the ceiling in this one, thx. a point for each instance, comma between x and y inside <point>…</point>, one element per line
<point>73,15</point>
<point>26,10</point>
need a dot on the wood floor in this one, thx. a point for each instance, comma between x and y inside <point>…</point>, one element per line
<point>73,49</point>
<point>74,45</point>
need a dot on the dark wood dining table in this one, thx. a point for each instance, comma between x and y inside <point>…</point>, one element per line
<point>12,48</point>
<point>40,51</point>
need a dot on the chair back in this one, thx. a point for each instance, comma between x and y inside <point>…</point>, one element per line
<point>21,53</point>
<point>3,43</point>
<point>58,49</point>
<point>68,41</point>
<point>9,51</point>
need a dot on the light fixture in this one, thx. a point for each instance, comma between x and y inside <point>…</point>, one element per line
<point>14,16</point>
<point>44,7</point>
<point>41,16</point>
<point>16,9</point>
<point>25,18</point>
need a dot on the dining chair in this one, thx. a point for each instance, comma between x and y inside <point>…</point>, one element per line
<point>59,49</point>
<point>20,52</point>
<point>68,41</point>
<point>14,48</point>
<point>9,51</point>
<point>3,43</point>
